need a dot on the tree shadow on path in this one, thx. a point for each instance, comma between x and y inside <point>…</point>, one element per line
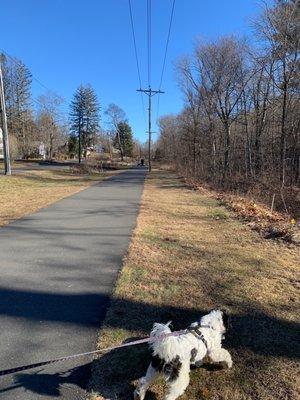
<point>254,331</point>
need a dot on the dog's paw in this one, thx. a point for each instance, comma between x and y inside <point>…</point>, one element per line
<point>224,365</point>
<point>228,364</point>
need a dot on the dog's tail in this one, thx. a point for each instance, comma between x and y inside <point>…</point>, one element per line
<point>165,348</point>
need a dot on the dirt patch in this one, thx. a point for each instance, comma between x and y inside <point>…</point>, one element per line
<point>188,255</point>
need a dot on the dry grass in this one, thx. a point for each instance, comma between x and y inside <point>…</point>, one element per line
<point>27,192</point>
<point>189,254</point>
<point>259,216</point>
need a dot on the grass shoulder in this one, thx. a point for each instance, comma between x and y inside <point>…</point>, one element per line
<point>187,255</point>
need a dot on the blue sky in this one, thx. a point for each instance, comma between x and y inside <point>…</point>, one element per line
<point>66,43</point>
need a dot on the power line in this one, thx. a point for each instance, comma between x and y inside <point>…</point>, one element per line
<point>150,93</point>
<point>149,34</point>
<point>134,42</point>
<point>36,101</point>
<point>136,58</point>
<point>165,54</point>
<point>16,61</point>
<point>167,44</point>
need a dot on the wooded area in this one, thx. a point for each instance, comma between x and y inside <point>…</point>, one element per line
<point>240,127</point>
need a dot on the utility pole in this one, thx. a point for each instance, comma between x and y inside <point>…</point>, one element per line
<point>79,142</point>
<point>4,127</point>
<point>149,92</point>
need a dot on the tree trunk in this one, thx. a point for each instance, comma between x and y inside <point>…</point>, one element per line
<point>226,151</point>
<point>283,136</point>
<point>120,145</point>
<point>194,152</point>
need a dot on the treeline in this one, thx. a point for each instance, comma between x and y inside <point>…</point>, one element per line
<point>240,127</point>
<point>39,128</point>
<point>29,126</point>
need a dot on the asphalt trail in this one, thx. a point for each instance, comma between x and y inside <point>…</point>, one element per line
<point>58,267</point>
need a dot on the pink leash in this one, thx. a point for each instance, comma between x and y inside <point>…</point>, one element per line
<point>89,353</point>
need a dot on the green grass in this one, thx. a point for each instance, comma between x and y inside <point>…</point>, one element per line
<point>218,214</point>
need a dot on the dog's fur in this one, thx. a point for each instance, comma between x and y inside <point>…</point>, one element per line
<point>173,356</point>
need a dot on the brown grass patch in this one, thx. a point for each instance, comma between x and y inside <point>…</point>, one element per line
<point>189,254</point>
<point>26,192</point>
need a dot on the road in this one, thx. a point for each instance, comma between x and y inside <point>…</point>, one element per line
<point>25,166</point>
<point>58,267</point>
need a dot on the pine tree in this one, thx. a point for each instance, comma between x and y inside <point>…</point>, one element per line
<point>84,118</point>
<point>91,119</point>
<point>124,140</point>
<point>73,146</point>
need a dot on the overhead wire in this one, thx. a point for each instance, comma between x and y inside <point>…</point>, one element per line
<point>167,44</point>
<point>134,43</point>
<point>36,101</point>
<point>149,34</point>
<point>165,55</point>
<point>136,58</point>
<point>16,61</point>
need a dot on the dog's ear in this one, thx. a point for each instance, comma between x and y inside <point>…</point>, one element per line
<point>225,316</point>
<point>170,325</point>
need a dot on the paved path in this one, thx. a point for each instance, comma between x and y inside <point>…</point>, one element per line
<point>57,270</point>
<point>25,166</point>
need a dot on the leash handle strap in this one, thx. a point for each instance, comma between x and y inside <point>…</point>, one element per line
<point>89,353</point>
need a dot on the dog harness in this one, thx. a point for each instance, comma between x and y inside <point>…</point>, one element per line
<point>198,334</point>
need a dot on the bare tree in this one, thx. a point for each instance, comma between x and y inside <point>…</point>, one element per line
<point>279,28</point>
<point>240,125</point>
<point>116,115</point>
<point>222,75</point>
<point>50,122</point>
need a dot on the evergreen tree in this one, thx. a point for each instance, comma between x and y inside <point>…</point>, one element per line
<point>73,146</point>
<point>84,118</point>
<point>91,120</point>
<point>124,140</point>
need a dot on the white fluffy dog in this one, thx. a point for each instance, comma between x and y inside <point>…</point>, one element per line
<point>172,356</point>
